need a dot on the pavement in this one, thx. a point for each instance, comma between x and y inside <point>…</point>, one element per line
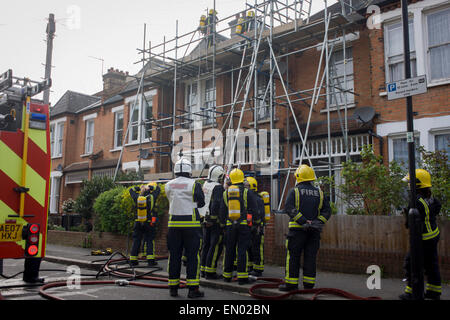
<point>356,284</point>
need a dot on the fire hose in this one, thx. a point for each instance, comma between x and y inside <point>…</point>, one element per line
<point>275,282</point>
<point>129,279</point>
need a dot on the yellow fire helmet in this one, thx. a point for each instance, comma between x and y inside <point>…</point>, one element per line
<point>236,176</point>
<point>423,179</point>
<point>203,18</point>
<point>212,11</point>
<point>250,14</point>
<point>304,173</point>
<point>252,183</point>
<point>152,185</point>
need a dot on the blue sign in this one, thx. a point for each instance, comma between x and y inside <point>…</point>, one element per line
<point>392,87</point>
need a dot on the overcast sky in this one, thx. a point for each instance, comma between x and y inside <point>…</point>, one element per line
<point>110,30</point>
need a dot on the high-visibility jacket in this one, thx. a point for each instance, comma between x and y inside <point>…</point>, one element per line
<point>306,202</point>
<point>185,197</point>
<point>150,200</point>
<point>429,209</point>
<point>248,205</point>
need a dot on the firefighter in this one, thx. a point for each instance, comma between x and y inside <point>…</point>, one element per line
<point>184,228</point>
<point>211,22</point>
<point>429,208</point>
<point>213,231</point>
<point>256,252</point>
<point>31,270</point>
<point>202,25</point>
<point>250,21</point>
<point>238,211</point>
<point>144,227</point>
<point>309,211</point>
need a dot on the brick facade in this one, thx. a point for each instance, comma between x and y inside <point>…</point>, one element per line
<point>368,54</point>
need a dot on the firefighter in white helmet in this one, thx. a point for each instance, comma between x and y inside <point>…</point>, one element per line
<point>213,230</point>
<point>184,229</point>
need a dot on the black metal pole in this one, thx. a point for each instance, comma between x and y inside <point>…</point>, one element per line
<point>415,226</point>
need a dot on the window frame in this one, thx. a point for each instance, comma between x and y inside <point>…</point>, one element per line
<point>116,129</point>
<point>350,102</point>
<point>57,138</point>
<point>142,120</point>
<point>400,58</point>
<point>89,148</point>
<point>426,47</point>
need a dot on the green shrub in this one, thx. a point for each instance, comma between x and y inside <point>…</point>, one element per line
<point>110,216</point>
<point>116,210</point>
<point>437,164</point>
<point>90,191</point>
<point>370,187</point>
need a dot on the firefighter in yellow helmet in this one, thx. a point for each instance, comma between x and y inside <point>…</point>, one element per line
<point>238,213</point>
<point>202,25</point>
<point>309,211</point>
<point>250,21</point>
<point>429,208</point>
<point>211,22</point>
<point>144,226</point>
<point>256,252</point>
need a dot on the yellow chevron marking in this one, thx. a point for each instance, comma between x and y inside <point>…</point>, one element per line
<point>9,158</point>
<point>39,137</point>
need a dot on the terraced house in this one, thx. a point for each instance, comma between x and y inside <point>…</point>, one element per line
<point>310,87</point>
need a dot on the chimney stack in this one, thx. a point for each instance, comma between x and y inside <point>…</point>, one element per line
<point>113,79</point>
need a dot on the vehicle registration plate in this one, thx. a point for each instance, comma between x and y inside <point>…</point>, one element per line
<point>10,232</point>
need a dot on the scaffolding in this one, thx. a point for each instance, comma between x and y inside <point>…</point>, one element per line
<point>279,30</point>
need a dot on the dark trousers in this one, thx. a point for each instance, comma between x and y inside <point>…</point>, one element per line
<point>143,233</point>
<point>31,268</point>
<point>430,265</point>
<point>189,240</point>
<point>256,252</point>
<point>298,242</point>
<point>237,236</point>
<point>212,248</point>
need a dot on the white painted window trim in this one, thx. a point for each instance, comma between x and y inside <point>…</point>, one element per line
<point>90,116</point>
<point>57,124</point>
<point>145,164</point>
<point>426,54</point>
<point>115,146</point>
<point>130,101</point>
<point>432,135</point>
<point>89,152</point>
<point>117,109</point>
<point>418,10</point>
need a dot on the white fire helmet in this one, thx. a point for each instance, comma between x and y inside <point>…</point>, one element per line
<point>183,166</point>
<point>216,173</point>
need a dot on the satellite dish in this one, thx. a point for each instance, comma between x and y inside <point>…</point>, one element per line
<point>364,114</point>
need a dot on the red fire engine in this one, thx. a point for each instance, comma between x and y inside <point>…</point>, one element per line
<point>24,167</point>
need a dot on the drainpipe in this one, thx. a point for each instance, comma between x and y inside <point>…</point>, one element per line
<point>380,139</point>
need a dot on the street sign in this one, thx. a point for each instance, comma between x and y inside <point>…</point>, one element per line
<point>406,88</point>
